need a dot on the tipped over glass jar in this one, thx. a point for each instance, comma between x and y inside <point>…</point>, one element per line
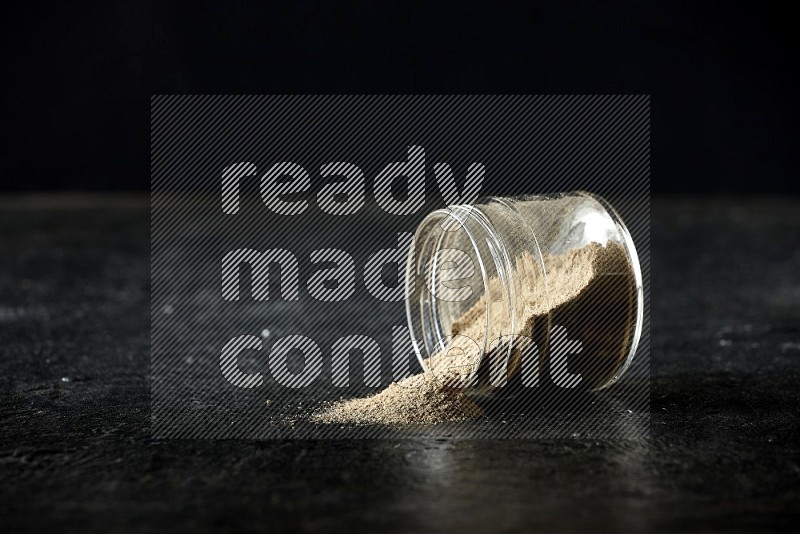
<point>535,291</point>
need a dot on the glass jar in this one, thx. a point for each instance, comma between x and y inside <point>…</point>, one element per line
<point>535,291</point>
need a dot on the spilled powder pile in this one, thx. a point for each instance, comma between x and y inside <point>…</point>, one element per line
<point>419,399</point>
<point>583,286</point>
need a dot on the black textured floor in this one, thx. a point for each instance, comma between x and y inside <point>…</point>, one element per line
<point>75,451</point>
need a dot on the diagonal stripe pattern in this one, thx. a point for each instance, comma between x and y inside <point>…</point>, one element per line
<point>308,178</point>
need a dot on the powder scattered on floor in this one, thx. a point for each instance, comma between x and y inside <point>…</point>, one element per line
<point>417,399</point>
<point>589,272</point>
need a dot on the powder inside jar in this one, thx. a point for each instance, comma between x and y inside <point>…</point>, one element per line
<point>589,291</point>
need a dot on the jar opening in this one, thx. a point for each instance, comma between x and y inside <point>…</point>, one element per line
<point>457,285</point>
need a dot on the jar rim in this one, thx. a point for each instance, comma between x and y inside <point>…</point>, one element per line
<point>422,310</point>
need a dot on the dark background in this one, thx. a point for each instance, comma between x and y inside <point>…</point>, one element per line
<point>78,76</point>
<point>76,450</point>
